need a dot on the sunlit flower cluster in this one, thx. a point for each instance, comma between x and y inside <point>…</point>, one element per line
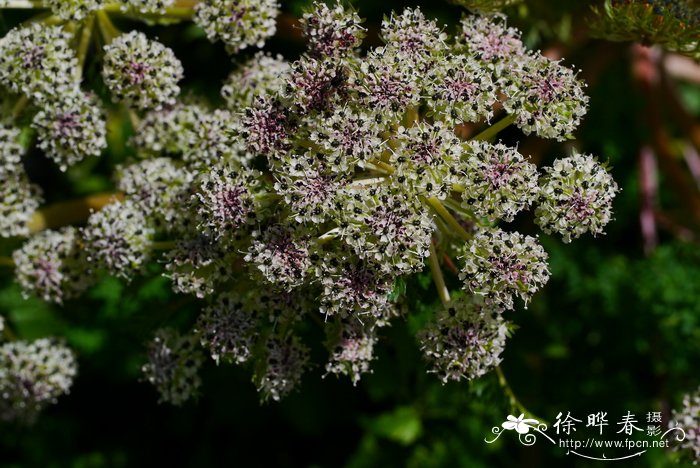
<point>312,193</point>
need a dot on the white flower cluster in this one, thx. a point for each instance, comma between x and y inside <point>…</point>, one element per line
<point>38,62</point>
<point>53,265</point>
<point>575,197</point>
<point>688,419</point>
<point>238,23</point>
<point>315,190</point>
<point>75,10</point>
<point>173,364</point>
<point>353,350</point>
<point>32,376</point>
<point>70,129</point>
<point>118,238</point>
<point>465,340</point>
<point>499,265</point>
<point>141,72</point>
<point>19,198</point>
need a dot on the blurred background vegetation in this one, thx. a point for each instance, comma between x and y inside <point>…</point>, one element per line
<point>617,329</point>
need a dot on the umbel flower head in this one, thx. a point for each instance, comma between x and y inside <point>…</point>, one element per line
<point>71,129</point>
<point>75,10</point>
<point>118,238</point>
<point>168,131</point>
<point>353,287</point>
<point>497,181</point>
<point>33,376</point>
<point>546,98</point>
<point>575,197</point>
<point>499,265</point>
<point>387,226</point>
<point>226,202</point>
<point>465,339</point>
<point>19,198</point>
<point>423,155</point>
<point>53,265</point>
<point>281,369</point>
<point>173,366</point>
<point>214,142</point>
<point>159,186</point>
<point>352,345</point>
<point>147,6</point>
<point>688,419</point>
<point>261,75</point>
<point>332,31</point>
<point>227,328</point>
<point>141,72</point>
<point>38,62</point>
<point>237,23</point>
<point>198,265</point>
<point>281,254</point>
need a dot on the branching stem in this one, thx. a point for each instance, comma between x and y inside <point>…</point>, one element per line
<point>493,130</point>
<point>512,399</point>
<point>448,218</point>
<point>70,212</point>
<point>438,278</point>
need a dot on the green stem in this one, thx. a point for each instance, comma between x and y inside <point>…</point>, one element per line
<point>8,334</point>
<point>329,236</point>
<point>381,167</point>
<point>7,261</point>
<point>438,277</point>
<point>411,117</point>
<point>134,119</point>
<point>163,245</point>
<point>448,218</point>
<point>84,44</point>
<point>70,212</point>
<point>109,31</point>
<point>19,106</point>
<point>457,207</point>
<point>493,130</point>
<point>368,182</point>
<point>512,399</point>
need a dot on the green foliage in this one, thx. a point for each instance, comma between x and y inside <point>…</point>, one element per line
<point>675,25</point>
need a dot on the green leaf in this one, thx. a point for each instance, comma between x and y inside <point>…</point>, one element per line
<point>403,425</point>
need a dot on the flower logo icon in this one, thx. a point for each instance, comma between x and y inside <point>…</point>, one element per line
<point>520,424</point>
